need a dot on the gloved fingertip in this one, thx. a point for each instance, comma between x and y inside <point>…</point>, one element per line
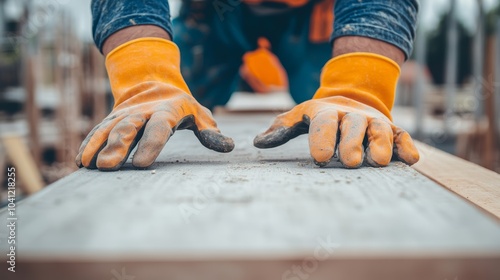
<point>351,165</point>
<point>372,163</point>
<point>321,163</point>
<point>92,165</point>
<point>107,161</point>
<point>141,165</point>
<point>78,160</point>
<point>87,162</point>
<point>405,149</point>
<point>271,138</point>
<point>216,141</point>
<point>351,160</point>
<point>142,161</point>
<point>409,157</point>
<point>321,155</point>
<point>376,159</point>
<point>110,169</point>
<point>415,158</point>
<point>258,141</point>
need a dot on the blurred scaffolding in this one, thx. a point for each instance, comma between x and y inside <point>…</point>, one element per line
<point>52,90</point>
<point>454,81</point>
<point>53,87</point>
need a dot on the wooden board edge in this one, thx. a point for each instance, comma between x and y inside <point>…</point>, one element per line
<point>478,185</point>
<point>354,269</point>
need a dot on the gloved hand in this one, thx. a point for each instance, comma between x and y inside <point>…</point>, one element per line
<point>352,109</point>
<point>151,102</point>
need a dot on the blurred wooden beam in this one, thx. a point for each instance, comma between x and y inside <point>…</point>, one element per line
<point>98,88</point>
<point>419,85</point>
<point>26,168</point>
<point>489,150</point>
<point>31,108</point>
<point>497,77</point>
<point>68,75</point>
<point>478,57</point>
<point>451,64</point>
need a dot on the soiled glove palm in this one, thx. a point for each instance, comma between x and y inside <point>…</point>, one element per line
<point>151,102</point>
<point>351,109</point>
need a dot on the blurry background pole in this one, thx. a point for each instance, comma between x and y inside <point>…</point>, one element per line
<point>418,88</point>
<point>478,62</point>
<point>30,56</point>
<point>451,65</point>
<point>497,74</point>
<point>482,75</point>
<point>487,100</point>
<point>68,81</point>
<point>2,20</point>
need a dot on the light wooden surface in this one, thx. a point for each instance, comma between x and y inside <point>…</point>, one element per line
<point>469,180</point>
<point>251,214</point>
<point>23,160</point>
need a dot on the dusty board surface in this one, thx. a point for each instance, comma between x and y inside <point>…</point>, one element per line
<point>250,204</point>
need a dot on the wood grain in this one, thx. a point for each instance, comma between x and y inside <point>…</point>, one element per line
<point>478,185</point>
<point>252,214</point>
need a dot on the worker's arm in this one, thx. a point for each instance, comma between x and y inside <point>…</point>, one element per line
<point>351,111</point>
<point>151,98</point>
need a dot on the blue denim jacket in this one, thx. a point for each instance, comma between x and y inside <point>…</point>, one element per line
<point>392,21</point>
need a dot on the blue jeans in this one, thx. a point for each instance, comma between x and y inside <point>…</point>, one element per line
<point>212,40</point>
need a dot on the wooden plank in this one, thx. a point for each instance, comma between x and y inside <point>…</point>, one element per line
<point>20,156</point>
<point>336,268</point>
<point>252,214</point>
<point>471,181</point>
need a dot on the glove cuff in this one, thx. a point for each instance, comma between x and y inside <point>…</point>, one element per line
<point>365,77</point>
<point>133,65</point>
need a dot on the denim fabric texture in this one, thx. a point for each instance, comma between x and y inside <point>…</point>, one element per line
<point>110,16</point>
<point>391,21</point>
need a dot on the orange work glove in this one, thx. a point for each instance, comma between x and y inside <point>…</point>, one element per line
<point>354,101</point>
<point>151,102</point>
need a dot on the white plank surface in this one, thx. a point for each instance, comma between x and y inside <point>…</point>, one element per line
<point>249,204</point>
